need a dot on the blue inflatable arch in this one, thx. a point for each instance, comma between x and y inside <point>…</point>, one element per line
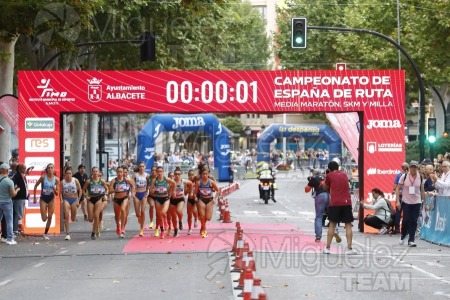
<point>274,131</point>
<point>206,123</point>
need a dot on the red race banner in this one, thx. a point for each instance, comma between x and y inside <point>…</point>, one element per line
<point>379,94</point>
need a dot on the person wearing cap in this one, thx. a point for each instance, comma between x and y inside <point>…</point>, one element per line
<point>398,211</point>
<point>442,184</point>
<point>413,196</point>
<point>7,191</point>
<point>81,176</point>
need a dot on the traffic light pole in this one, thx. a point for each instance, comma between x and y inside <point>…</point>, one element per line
<point>416,71</point>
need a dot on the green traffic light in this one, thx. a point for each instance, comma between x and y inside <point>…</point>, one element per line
<point>299,40</point>
<point>432,139</point>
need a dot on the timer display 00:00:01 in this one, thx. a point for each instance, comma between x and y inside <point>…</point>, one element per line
<point>208,91</point>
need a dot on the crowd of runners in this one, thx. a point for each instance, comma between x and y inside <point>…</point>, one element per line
<point>165,195</point>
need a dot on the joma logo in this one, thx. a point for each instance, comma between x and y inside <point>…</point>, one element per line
<point>188,122</point>
<point>384,124</point>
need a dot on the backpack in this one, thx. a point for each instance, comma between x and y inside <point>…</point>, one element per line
<point>391,220</point>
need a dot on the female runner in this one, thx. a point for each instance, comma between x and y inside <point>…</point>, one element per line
<point>121,187</point>
<point>182,187</point>
<point>191,206</point>
<point>168,220</point>
<point>151,202</point>
<point>204,190</point>
<point>161,187</point>
<point>141,181</point>
<point>70,191</point>
<point>48,192</point>
<point>94,191</point>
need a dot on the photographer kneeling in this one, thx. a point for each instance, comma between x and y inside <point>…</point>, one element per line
<point>382,214</point>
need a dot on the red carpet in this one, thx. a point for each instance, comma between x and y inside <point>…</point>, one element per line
<point>261,237</point>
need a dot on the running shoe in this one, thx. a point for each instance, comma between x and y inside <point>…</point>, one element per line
<point>317,240</point>
<point>93,236</point>
<point>97,234</point>
<point>189,232</point>
<point>195,223</point>
<point>100,226</point>
<point>337,237</point>
<point>401,241</point>
<point>11,242</point>
<point>156,232</point>
<point>169,232</point>
<point>180,225</point>
<point>412,244</point>
<point>163,235</point>
<point>204,234</point>
<point>141,232</point>
<point>122,235</point>
<point>175,233</point>
<point>85,217</point>
<point>3,240</point>
<point>326,251</point>
<point>351,252</point>
<point>150,226</point>
<point>383,230</point>
<point>46,238</point>
<point>118,230</point>
<point>67,237</point>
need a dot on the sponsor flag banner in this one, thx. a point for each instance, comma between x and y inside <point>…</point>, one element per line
<point>44,95</point>
<point>435,228</point>
<point>8,109</point>
<point>346,125</point>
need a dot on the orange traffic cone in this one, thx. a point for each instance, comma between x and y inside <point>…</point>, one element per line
<point>262,296</point>
<point>248,284</point>
<point>227,216</point>
<point>238,234</point>
<point>256,289</point>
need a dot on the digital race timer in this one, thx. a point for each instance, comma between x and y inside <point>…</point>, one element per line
<point>207,92</point>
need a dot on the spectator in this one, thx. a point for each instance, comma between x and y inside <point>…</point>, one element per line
<point>340,209</point>
<point>7,191</point>
<point>380,220</point>
<point>429,184</point>
<point>442,184</point>
<point>20,181</point>
<point>398,211</point>
<point>413,194</point>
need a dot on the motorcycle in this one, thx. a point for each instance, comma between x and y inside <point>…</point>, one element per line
<point>266,186</point>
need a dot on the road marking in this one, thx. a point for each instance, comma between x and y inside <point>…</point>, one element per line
<point>63,251</point>
<point>279,212</point>
<point>251,212</point>
<point>434,264</point>
<point>5,282</point>
<point>38,265</point>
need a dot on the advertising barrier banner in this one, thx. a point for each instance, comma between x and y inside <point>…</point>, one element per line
<point>435,228</point>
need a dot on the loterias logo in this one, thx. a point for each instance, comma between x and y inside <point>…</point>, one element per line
<point>94,90</point>
<point>39,124</point>
<point>384,124</point>
<point>373,147</point>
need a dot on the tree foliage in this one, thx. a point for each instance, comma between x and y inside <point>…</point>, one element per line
<point>233,123</point>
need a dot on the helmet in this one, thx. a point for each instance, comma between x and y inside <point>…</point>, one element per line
<point>265,167</point>
<point>337,160</point>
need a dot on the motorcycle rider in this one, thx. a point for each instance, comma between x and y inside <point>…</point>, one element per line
<point>266,172</point>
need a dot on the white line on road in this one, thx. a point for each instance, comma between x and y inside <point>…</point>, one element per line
<point>251,212</point>
<point>63,251</point>
<point>279,212</point>
<point>5,282</point>
<point>38,265</point>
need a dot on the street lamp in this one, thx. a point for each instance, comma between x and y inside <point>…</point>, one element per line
<point>248,132</point>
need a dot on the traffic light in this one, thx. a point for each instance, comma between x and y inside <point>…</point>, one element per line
<point>148,46</point>
<point>432,130</point>
<point>298,33</point>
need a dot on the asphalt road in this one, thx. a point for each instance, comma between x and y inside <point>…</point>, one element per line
<point>281,235</point>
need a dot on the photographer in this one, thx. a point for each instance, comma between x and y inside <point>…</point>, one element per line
<point>382,214</point>
<point>322,200</point>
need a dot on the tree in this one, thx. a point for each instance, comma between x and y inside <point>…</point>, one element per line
<point>233,123</point>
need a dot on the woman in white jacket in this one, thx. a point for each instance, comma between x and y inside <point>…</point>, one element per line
<point>382,214</point>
